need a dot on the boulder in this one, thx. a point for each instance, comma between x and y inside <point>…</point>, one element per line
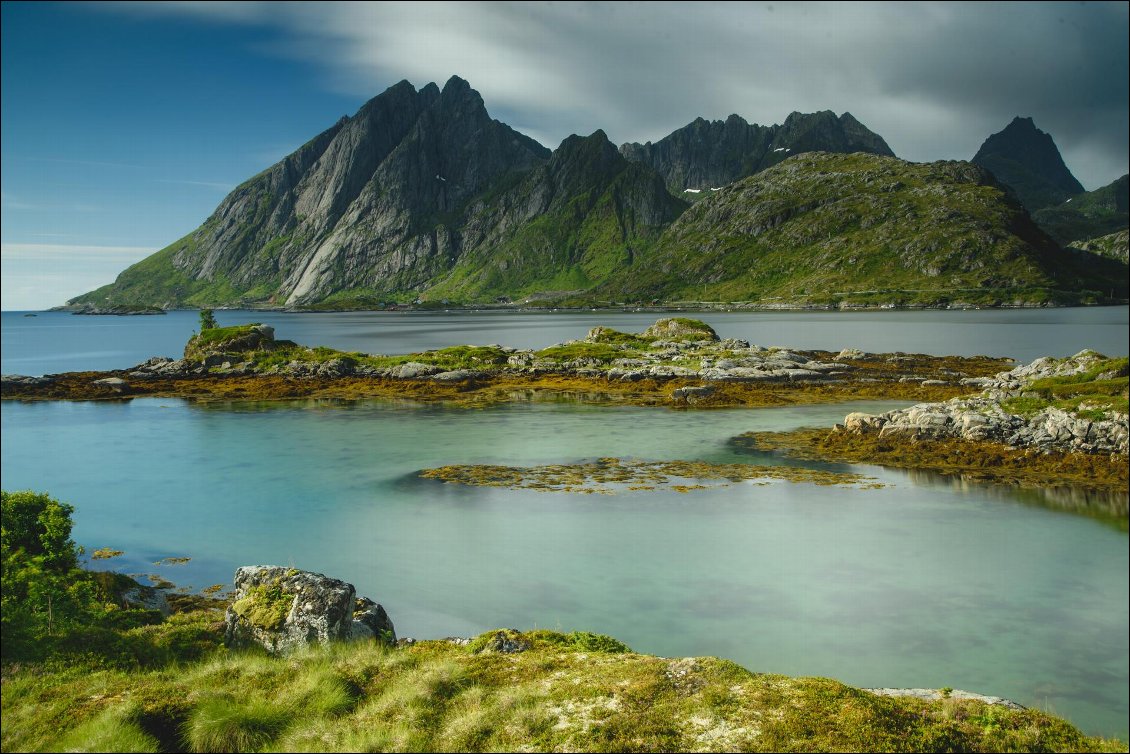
<point>281,609</point>
<point>370,621</point>
<point>117,384</point>
<point>413,370</point>
<point>146,598</point>
<point>692,394</point>
<point>863,423</point>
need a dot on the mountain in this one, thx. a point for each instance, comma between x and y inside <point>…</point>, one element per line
<point>824,228</point>
<point>422,197</point>
<point>371,203</point>
<point>711,154</point>
<point>565,227</point>
<point>1026,160</point>
<point>1088,215</point>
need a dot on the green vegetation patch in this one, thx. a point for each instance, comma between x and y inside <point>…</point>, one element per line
<point>214,336</point>
<point>562,692</point>
<point>1094,394</point>
<point>265,606</point>
<point>610,475</point>
<point>601,353</point>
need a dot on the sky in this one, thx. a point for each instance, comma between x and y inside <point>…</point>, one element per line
<point>125,124</point>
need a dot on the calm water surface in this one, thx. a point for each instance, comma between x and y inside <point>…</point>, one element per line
<point>60,342</point>
<point>921,583</point>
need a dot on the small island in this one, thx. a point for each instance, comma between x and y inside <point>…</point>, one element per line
<point>1053,422</point>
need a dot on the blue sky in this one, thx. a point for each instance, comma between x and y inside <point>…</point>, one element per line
<point>124,124</point>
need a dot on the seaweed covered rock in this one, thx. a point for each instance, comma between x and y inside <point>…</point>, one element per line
<point>281,609</point>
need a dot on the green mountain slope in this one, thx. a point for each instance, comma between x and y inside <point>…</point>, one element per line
<point>822,228</point>
<point>572,223</point>
<point>1088,215</point>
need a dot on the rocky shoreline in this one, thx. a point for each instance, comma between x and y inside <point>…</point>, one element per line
<point>676,362</point>
<point>1051,423</point>
<point>1045,429</point>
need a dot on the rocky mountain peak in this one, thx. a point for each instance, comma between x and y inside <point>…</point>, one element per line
<point>709,154</point>
<point>1027,160</point>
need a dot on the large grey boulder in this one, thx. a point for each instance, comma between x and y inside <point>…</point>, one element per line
<point>281,609</point>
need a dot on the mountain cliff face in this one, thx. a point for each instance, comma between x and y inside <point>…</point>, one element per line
<point>1026,160</point>
<point>711,154</point>
<point>371,203</point>
<point>823,227</point>
<point>568,225</point>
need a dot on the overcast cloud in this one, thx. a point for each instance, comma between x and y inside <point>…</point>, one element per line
<point>933,79</point>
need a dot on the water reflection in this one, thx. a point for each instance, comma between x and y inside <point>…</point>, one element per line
<point>1106,505</point>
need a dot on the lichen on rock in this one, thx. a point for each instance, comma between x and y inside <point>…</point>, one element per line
<point>281,609</point>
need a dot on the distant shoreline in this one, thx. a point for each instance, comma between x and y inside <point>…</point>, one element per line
<point>695,306</point>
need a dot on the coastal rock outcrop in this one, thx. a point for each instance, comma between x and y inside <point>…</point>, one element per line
<point>229,340</point>
<point>1019,408</point>
<point>282,609</point>
<point>679,328</point>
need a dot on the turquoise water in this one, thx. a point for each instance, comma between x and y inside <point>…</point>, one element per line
<point>59,342</point>
<point>921,583</point>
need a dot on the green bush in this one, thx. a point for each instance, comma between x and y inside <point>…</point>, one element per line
<point>39,526</point>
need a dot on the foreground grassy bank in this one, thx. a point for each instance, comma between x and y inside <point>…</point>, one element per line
<point>87,668</point>
<point>564,692</point>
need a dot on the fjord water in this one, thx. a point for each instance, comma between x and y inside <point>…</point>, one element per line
<point>922,583</point>
<point>60,342</point>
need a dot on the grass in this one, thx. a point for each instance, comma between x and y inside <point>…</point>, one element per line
<point>218,335</point>
<point>565,692</point>
<point>1083,394</point>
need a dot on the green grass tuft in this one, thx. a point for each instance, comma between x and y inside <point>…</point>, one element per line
<point>223,724</point>
<point>116,729</point>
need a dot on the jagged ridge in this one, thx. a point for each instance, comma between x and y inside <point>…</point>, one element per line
<point>711,154</point>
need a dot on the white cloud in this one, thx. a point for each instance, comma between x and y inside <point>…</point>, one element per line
<point>640,70</point>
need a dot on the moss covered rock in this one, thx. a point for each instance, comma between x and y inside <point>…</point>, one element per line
<point>681,328</point>
<point>230,340</point>
<point>281,609</point>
